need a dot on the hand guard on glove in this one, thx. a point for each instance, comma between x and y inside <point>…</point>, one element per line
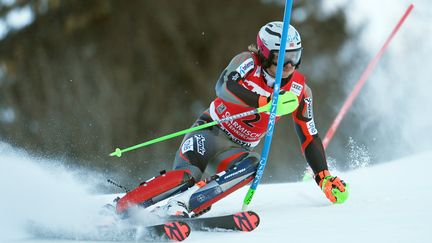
<point>335,189</point>
<point>287,103</point>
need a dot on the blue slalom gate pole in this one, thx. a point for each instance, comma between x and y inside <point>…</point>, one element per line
<point>272,120</point>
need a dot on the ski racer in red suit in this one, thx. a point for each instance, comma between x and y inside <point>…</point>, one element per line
<point>216,161</point>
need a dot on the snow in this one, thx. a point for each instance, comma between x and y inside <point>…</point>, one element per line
<point>401,72</point>
<point>20,17</point>
<point>389,202</point>
<point>15,19</point>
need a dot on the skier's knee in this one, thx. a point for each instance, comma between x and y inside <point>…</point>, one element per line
<point>229,160</point>
<point>194,171</point>
<point>251,159</point>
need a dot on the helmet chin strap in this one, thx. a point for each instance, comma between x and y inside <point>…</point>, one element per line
<point>268,78</point>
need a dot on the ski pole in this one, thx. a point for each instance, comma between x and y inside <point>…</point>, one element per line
<point>118,185</point>
<point>272,119</point>
<point>361,81</point>
<point>118,152</point>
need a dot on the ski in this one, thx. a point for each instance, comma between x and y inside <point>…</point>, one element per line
<point>180,229</point>
<point>174,230</point>
<point>241,221</point>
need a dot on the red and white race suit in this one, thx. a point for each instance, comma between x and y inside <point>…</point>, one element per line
<point>251,90</point>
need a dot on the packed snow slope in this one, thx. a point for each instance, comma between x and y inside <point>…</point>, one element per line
<point>389,202</point>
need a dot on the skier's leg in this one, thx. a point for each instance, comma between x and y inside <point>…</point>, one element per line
<point>242,165</point>
<point>235,165</point>
<point>240,171</point>
<point>196,150</point>
<point>190,161</point>
<point>155,189</point>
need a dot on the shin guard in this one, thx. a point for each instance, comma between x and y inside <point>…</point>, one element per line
<point>223,184</point>
<point>155,189</point>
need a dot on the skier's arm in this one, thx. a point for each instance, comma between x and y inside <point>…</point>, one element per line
<point>230,84</point>
<point>335,189</point>
<point>307,133</point>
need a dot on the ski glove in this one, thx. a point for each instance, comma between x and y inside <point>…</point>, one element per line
<point>287,103</point>
<point>335,189</point>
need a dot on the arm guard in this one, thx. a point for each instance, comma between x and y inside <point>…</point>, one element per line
<point>307,133</point>
<point>230,87</point>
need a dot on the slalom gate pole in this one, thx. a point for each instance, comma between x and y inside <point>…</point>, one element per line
<point>118,152</point>
<point>272,119</point>
<point>352,96</point>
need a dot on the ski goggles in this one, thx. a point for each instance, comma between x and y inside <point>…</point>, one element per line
<point>292,57</point>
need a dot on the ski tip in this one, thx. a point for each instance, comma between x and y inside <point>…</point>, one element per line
<point>246,221</point>
<point>177,231</point>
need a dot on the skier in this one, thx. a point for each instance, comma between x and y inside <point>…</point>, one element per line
<point>225,151</point>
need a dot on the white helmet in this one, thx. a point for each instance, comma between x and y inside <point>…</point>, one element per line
<point>269,39</point>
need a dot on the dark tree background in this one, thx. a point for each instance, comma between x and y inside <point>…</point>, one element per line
<point>89,76</point>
